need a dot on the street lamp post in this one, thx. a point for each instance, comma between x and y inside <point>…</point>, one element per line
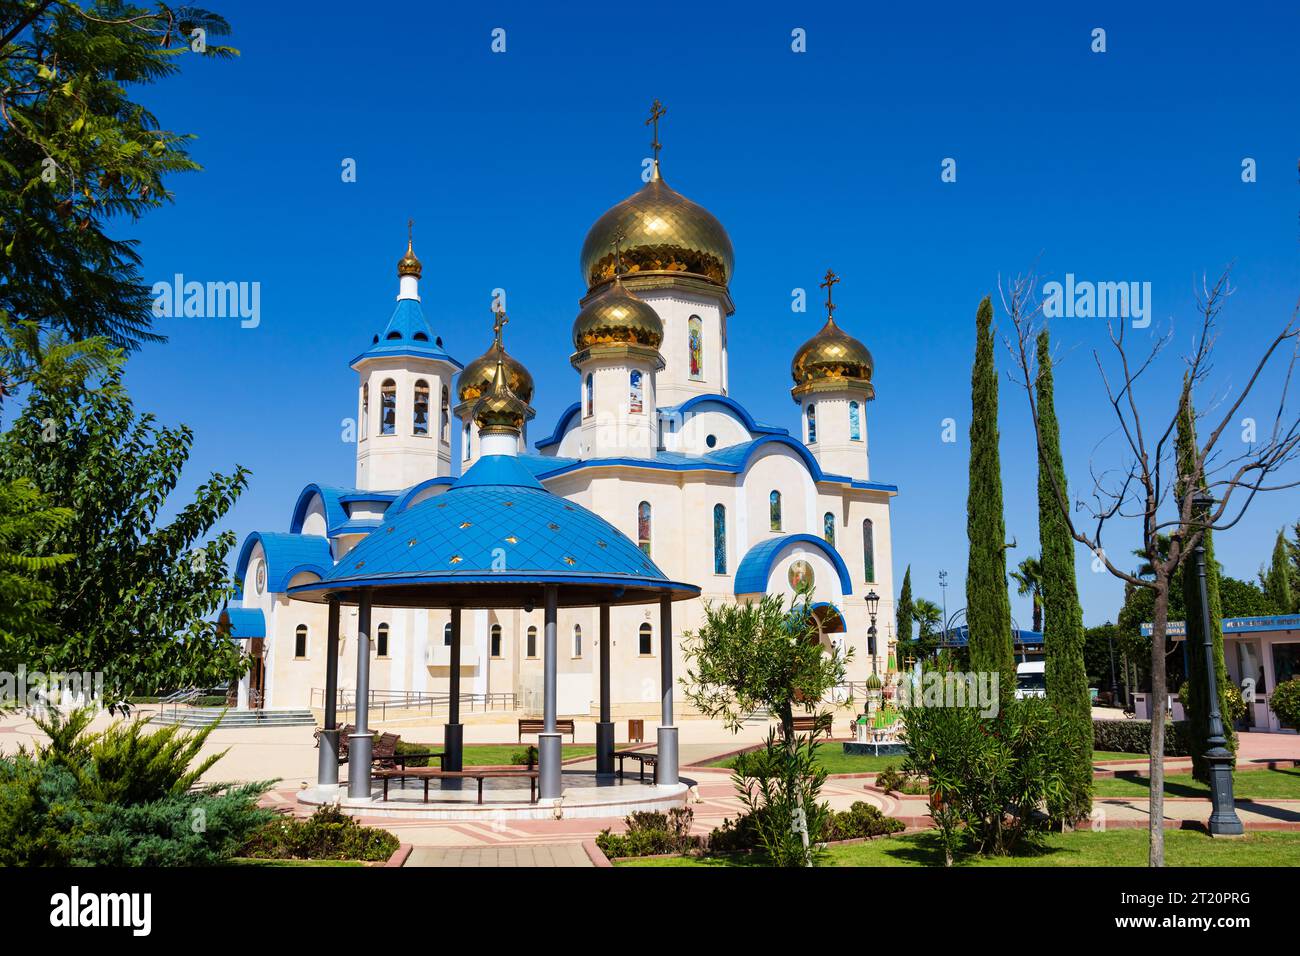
<point>873,605</point>
<point>1223,817</point>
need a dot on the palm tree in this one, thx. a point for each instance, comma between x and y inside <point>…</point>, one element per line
<point>1163,542</point>
<point>1029,578</point>
<point>929,616</point>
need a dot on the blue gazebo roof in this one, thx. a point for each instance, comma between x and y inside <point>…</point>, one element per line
<point>495,539</point>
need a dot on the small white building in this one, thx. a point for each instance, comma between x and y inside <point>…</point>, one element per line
<point>655,442</point>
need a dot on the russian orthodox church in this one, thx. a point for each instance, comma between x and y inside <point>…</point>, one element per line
<point>655,443</point>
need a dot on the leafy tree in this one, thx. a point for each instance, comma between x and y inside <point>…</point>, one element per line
<point>1029,583</point>
<point>1067,678</point>
<point>929,627</point>
<point>78,154</point>
<point>134,601</point>
<point>904,617</point>
<point>1293,551</point>
<point>26,594</point>
<point>988,606</point>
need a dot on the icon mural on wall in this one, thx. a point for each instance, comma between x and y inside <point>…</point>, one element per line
<point>801,573</point>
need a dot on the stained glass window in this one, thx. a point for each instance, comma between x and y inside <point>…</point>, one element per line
<point>636,397</point>
<point>464,441</point>
<point>388,408</point>
<point>643,526</point>
<point>695,345</point>
<point>869,550</point>
<point>774,509</point>
<point>855,422</point>
<point>591,394</point>
<point>420,417</point>
<point>719,539</point>
<point>812,424</point>
<point>828,528</point>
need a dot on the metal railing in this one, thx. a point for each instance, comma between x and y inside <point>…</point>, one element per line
<point>433,703</point>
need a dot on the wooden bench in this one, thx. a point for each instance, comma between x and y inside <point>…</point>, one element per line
<point>533,725</point>
<point>384,755</point>
<point>813,724</point>
<point>429,773</point>
<point>641,756</point>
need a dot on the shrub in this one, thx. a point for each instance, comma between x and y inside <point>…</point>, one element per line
<point>1235,702</point>
<point>525,757</point>
<point>889,779</point>
<point>328,834</point>
<point>860,820</point>
<point>1134,737</point>
<point>1285,701</point>
<point>1001,778</point>
<point>405,747</point>
<point>650,833</point>
<point>783,779</point>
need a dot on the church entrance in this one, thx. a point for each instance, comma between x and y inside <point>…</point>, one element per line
<point>256,674</point>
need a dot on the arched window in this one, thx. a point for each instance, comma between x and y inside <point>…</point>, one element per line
<point>420,416</point>
<point>869,551</point>
<point>812,423</point>
<point>300,641</point>
<point>381,641</point>
<point>774,510</point>
<point>855,422</point>
<point>365,408</point>
<point>719,539</point>
<point>636,396</point>
<point>590,396</point>
<point>388,408</point>
<point>828,528</point>
<point>695,347</point>
<point>532,640</point>
<point>446,634</point>
<point>496,640</point>
<point>645,641</point>
<point>577,640</point>
<point>643,526</point>
<point>464,441</point>
<point>446,415</point>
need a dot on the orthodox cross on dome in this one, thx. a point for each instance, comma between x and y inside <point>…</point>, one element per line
<point>656,111</point>
<point>617,243</point>
<point>410,231</point>
<point>829,285</point>
<point>498,324</point>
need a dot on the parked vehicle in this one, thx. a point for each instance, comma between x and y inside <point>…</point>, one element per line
<point>1031,679</point>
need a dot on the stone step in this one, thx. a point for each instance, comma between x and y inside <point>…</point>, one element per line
<point>203,716</point>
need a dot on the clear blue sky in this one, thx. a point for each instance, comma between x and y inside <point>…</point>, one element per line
<point>1117,166</point>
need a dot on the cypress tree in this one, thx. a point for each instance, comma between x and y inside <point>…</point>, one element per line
<point>1277,583</point>
<point>1198,710</point>
<point>1063,635</point>
<point>904,617</point>
<point>988,605</point>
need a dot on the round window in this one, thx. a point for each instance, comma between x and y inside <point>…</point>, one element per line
<point>261,577</point>
<point>711,440</point>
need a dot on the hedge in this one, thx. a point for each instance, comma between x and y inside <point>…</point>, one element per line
<point>1134,737</point>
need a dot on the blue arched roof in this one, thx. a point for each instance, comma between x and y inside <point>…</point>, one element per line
<point>751,423</point>
<point>244,622</point>
<point>496,525</point>
<point>756,566</point>
<point>286,555</point>
<point>834,610</point>
<point>335,501</point>
<point>407,333</point>
<point>561,426</point>
<point>403,500</point>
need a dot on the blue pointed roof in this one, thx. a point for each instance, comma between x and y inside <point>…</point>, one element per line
<point>493,540</point>
<point>408,333</point>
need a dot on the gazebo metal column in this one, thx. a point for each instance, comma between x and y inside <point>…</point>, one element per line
<point>327,768</point>
<point>360,745</point>
<point>605,727</point>
<point>453,732</point>
<point>666,766</point>
<point>549,746</point>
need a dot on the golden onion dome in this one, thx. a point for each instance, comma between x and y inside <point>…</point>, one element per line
<point>476,379</point>
<point>832,355</point>
<point>500,410</point>
<point>617,317</point>
<point>408,265</point>
<point>661,232</point>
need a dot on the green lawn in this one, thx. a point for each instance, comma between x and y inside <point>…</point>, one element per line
<point>1116,755</point>
<point>835,760</point>
<point>1081,848</point>
<point>1247,784</point>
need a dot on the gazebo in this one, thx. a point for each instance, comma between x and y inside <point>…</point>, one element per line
<point>495,539</point>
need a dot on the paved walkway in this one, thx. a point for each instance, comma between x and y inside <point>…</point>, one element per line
<point>560,854</point>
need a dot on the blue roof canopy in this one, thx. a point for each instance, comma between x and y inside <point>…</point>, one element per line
<point>286,556</point>
<point>244,622</point>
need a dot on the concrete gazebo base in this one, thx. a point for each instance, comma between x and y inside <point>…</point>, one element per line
<point>585,795</point>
